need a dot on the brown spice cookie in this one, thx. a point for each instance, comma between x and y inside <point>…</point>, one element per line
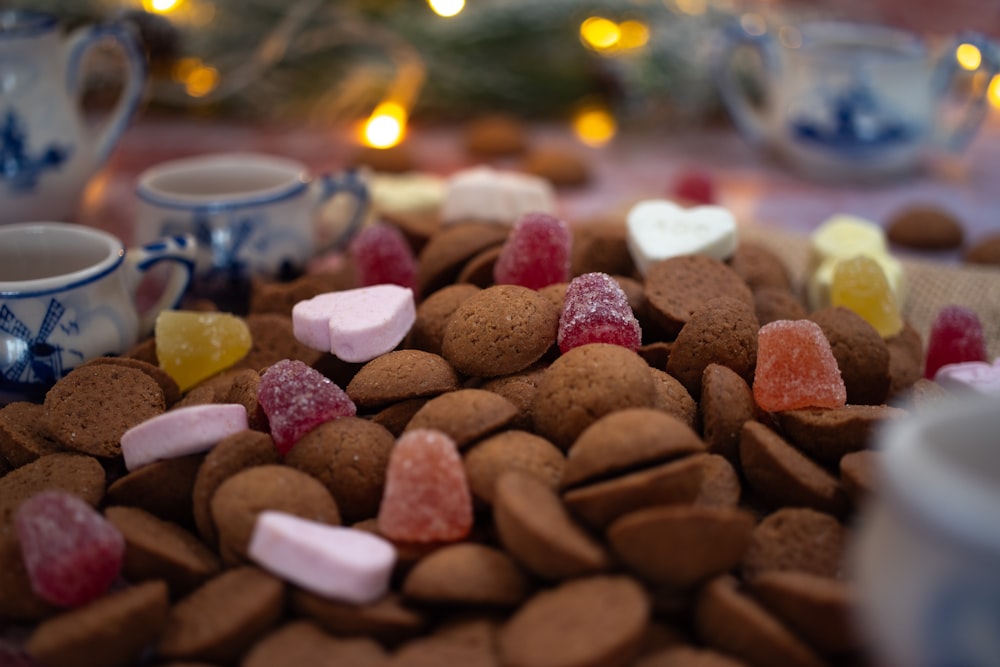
<point>171,392</point>
<point>679,286</point>
<point>625,440</point>
<point>466,415</point>
<point>926,227</point>
<point>819,609</point>
<point>478,270</point>
<point>495,134</point>
<point>720,483</point>
<point>74,473</point>
<point>760,268</point>
<point>243,390</point>
<point>511,450</point>
<point>556,293</point>
<point>280,297</point>
<point>113,631</point>
<point>396,159</point>
<point>723,330</point>
<point>223,618</point>
<point>600,622</point>
<point>906,359</point>
<point>162,488</point>
<point>782,476</point>
<point>859,474</point>
<point>861,353</point>
<point>82,415</point>
<point>396,416</point>
<point>771,304</point>
<point>727,619</point>
<point>18,600</point>
<point>500,330</point>
<point>400,375</point>
<point>985,250</point>
<point>448,250</point>
<point>726,404</point>
<point>797,538</point>
<point>433,312</point>
<point>828,434</point>
<point>600,503</point>
<point>688,656</point>
<point>656,353</point>
<point>435,651</point>
<point>387,620</point>
<point>274,340</point>
<point>519,389</point>
<point>535,528</point>
<point>585,384</point>
<point>673,398</point>
<point>681,545</point>
<point>467,574</point>
<point>559,166</point>
<point>240,498</point>
<point>157,549</point>
<point>231,455</point>
<point>600,247</point>
<point>304,643</point>
<point>23,436</point>
<point>349,457</point>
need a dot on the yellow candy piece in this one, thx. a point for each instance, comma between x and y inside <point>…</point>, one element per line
<point>192,346</point>
<point>860,284</point>
<point>843,237</point>
<point>818,284</point>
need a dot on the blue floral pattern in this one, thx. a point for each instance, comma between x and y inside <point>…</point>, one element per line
<point>20,169</point>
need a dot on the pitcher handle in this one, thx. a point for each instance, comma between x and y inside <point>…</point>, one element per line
<point>957,135</point>
<point>352,182</point>
<point>181,252</point>
<point>123,35</point>
<point>748,119</point>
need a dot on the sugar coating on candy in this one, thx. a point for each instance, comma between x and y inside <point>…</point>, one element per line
<point>72,554</point>
<point>382,256</point>
<point>859,284</point>
<point>182,431</point>
<point>596,310</point>
<point>956,336</point>
<point>796,368</point>
<point>536,254</point>
<point>334,562</point>
<point>297,398</point>
<point>426,497</point>
<point>192,346</point>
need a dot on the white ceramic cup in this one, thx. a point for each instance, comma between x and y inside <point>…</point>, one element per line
<point>68,293</point>
<point>927,555</point>
<point>252,214</point>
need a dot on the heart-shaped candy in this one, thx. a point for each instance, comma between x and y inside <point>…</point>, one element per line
<point>976,376</point>
<point>659,229</point>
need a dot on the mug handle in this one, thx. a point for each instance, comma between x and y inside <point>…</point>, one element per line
<point>749,120</point>
<point>181,252</point>
<point>80,42</point>
<point>352,182</point>
<point>956,136</point>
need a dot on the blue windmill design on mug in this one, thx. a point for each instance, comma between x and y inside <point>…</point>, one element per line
<point>226,243</point>
<point>17,167</point>
<point>40,360</point>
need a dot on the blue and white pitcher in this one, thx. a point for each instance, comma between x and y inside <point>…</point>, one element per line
<point>49,149</point>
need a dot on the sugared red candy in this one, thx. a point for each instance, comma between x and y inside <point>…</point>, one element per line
<point>859,284</point>
<point>971,376</point>
<point>72,554</point>
<point>536,254</point>
<point>426,497</point>
<point>596,310</point>
<point>658,229</point>
<point>334,562</point>
<point>382,256</point>
<point>297,398</point>
<point>796,368</point>
<point>694,186</point>
<point>182,431</point>
<point>356,325</point>
<point>956,336</point>
<point>193,346</point>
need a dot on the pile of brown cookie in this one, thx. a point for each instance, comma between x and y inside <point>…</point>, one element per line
<point>631,508</point>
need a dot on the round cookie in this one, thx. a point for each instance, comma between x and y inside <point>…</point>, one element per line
<point>511,450</point>
<point>495,135</point>
<point>859,475</point>
<point>776,303</point>
<point>162,488</point>
<point>84,416</point>
<point>448,250</point>
<point>64,471</point>
<point>304,643</point>
<point>861,353</point>
<point>274,340</point>
<point>387,620</point>
<point>906,359</point>
<point>679,286</point>
<point>466,574</point>
<point>600,247</point>
<point>759,267</point>
<point>585,384</point>
<point>23,436</point>
<point>984,251</point>
<point>171,392</point>
<point>401,375</point>
<point>500,330</point>
<point>720,483</point>
<point>797,539</point>
<point>726,403</point>
<point>478,270</point>
<point>925,227</point>
<point>827,434</point>
<point>688,656</point>
<point>396,416</point>
<point>559,166</point>
<point>466,415</point>
<point>432,316</point>
<point>519,389</point>
<point>673,398</point>
<point>349,457</point>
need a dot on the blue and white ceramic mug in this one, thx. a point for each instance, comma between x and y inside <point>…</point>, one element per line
<point>253,215</point>
<point>69,293</point>
<point>849,101</point>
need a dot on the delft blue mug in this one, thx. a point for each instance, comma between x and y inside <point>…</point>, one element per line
<point>848,101</point>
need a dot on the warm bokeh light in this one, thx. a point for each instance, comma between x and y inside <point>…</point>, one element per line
<point>446,8</point>
<point>600,33</point>
<point>160,6</point>
<point>692,7</point>
<point>198,78</point>
<point>386,126</point>
<point>594,126</point>
<point>968,56</point>
<point>993,92</point>
<point>633,34</point>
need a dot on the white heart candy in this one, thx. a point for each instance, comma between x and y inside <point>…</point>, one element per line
<point>659,229</point>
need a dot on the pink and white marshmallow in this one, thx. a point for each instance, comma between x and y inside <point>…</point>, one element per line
<point>182,431</point>
<point>971,376</point>
<point>334,562</point>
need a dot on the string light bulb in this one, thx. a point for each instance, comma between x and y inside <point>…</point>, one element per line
<point>446,8</point>
<point>594,125</point>
<point>993,92</point>
<point>160,6</point>
<point>600,33</point>
<point>968,56</point>
<point>386,126</point>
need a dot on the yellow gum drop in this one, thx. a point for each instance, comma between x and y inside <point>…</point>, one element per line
<point>860,284</point>
<point>846,236</point>
<point>192,346</point>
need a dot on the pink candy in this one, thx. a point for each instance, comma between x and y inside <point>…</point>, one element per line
<point>796,368</point>
<point>426,497</point>
<point>71,552</point>
<point>297,398</point>
<point>596,310</point>
<point>382,256</point>
<point>183,431</point>
<point>536,254</point>
<point>956,336</point>
<point>971,376</point>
